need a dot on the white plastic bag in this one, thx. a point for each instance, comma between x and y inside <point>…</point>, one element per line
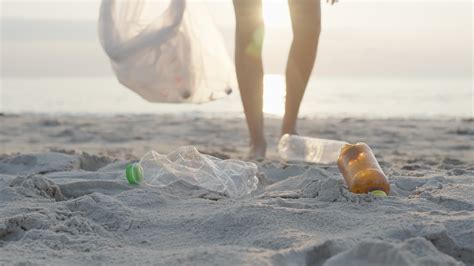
<point>176,56</point>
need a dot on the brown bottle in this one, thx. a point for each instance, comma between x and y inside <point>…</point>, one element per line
<point>361,170</point>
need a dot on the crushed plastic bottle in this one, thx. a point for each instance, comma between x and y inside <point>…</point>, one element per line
<point>232,177</point>
<point>294,148</point>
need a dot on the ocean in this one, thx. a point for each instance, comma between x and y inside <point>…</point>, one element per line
<point>325,97</point>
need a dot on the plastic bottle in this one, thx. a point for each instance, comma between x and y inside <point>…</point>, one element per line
<point>361,170</point>
<point>232,177</point>
<point>294,148</point>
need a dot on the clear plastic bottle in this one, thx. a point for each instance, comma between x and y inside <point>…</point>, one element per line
<point>232,177</point>
<point>294,148</point>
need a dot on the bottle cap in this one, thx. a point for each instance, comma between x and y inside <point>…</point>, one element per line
<point>378,193</point>
<point>134,174</point>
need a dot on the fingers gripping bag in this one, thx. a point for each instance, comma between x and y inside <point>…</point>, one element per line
<point>166,50</point>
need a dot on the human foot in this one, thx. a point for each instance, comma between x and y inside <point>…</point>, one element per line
<point>257,151</point>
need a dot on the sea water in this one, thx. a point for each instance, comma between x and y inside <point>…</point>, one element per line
<point>340,97</point>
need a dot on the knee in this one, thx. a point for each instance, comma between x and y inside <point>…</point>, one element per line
<point>250,41</point>
<point>247,30</point>
<point>250,34</point>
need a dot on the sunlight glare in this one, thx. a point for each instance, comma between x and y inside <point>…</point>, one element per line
<point>274,92</point>
<point>276,13</point>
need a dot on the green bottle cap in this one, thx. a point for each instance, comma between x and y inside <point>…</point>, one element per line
<point>378,193</point>
<point>134,174</point>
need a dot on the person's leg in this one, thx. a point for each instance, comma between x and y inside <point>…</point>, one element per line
<point>306,23</point>
<point>249,68</point>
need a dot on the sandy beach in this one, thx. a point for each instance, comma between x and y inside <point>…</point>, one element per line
<point>64,199</point>
<point>88,88</point>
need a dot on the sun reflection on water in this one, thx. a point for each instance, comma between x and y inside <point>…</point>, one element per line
<point>274,92</point>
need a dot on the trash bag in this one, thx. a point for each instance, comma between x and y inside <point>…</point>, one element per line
<point>232,177</point>
<point>177,56</point>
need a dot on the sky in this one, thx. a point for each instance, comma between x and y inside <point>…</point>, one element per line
<point>360,38</point>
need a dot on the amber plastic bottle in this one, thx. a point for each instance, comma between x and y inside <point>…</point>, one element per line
<point>361,170</point>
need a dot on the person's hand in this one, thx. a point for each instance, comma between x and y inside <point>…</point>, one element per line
<point>332,1</point>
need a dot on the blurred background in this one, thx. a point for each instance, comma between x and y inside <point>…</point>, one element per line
<point>376,59</point>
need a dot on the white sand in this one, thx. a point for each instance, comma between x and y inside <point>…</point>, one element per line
<point>64,200</point>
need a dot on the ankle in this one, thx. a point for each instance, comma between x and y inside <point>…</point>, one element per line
<point>288,130</point>
<point>288,127</point>
<point>257,150</point>
<point>260,142</point>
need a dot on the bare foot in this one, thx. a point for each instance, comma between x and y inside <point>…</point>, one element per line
<point>257,151</point>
